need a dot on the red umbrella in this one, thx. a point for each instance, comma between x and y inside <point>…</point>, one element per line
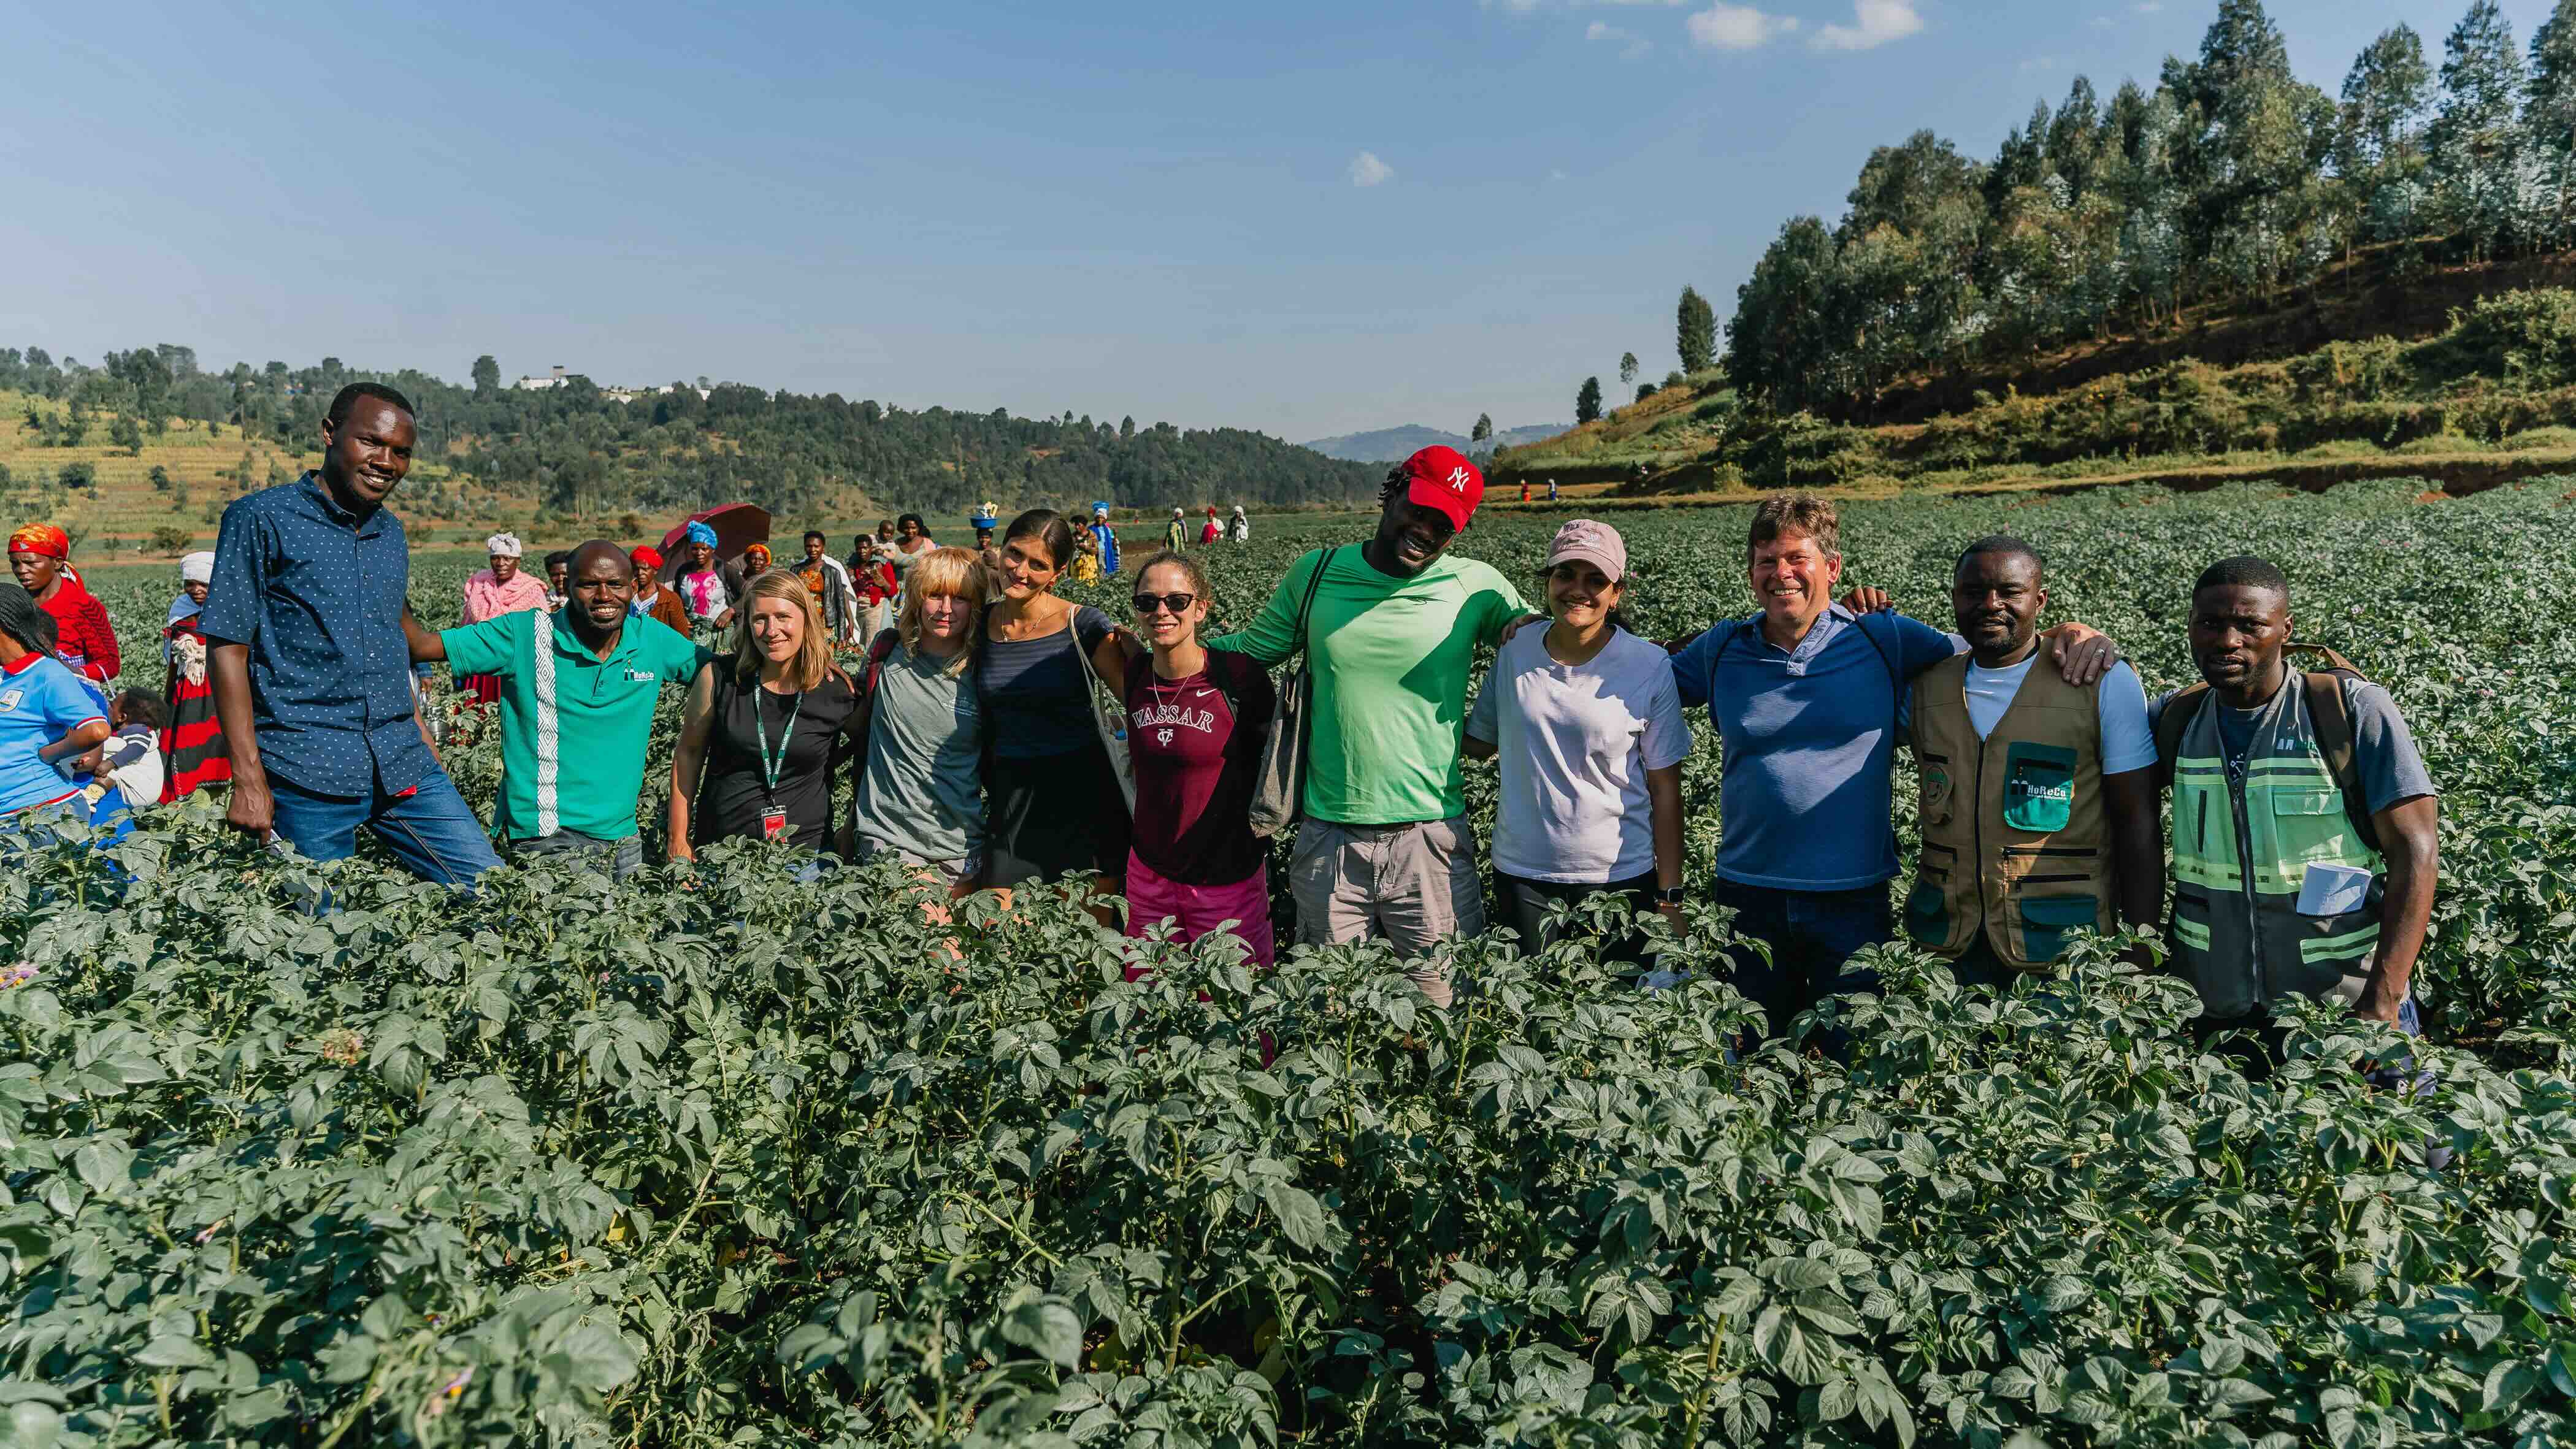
<point>738,526</point>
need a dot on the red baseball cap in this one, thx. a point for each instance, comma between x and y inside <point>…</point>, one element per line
<point>1442,479</point>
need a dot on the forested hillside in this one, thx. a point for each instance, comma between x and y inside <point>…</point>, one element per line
<point>2229,271</point>
<point>582,451</point>
<point>2229,180</point>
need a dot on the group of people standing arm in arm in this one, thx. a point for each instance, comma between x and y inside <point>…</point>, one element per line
<point>2304,825</point>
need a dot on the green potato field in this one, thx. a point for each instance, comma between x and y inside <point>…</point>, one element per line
<point>717,1158</point>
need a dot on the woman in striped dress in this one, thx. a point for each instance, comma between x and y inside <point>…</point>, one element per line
<point>192,746</point>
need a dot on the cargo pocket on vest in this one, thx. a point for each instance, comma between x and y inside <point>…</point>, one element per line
<point>2047,920</point>
<point>1932,801</point>
<point>1927,914</point>
<point>2039,787</point>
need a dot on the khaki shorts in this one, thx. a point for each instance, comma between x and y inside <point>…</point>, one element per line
<point>1413,884</point>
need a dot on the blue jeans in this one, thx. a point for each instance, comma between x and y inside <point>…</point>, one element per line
<point>1812,936</point>
<point>430,830</point>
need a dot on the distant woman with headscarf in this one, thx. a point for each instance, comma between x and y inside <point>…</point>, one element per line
<point>193,753</point>
<point>40,555</point>
<point>504,588</point>
<point>652,600</point>
<point>707,588</point>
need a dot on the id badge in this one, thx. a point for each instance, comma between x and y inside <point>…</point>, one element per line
<point>773,825</point>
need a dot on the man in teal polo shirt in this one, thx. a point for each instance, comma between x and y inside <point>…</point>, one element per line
<point>577,695</point>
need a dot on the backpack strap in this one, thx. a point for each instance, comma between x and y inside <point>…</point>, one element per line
<point>2331,715</point>
<point>1314,581</point>
<point>2179,712</point>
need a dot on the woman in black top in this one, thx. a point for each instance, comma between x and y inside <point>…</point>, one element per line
<point>1052,801</point>
<point>764,731</point>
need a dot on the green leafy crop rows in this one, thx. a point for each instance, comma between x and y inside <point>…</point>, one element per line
<point>726,1159</point>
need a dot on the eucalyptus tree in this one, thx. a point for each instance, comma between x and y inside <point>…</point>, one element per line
<point>2480,173</point>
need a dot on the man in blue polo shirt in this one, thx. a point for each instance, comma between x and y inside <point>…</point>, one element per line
<point>577,695</point>
<point>307,664</point>
<point>1807,696</point>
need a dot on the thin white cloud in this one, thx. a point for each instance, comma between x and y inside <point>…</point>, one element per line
<point>1735,27</point>
<point>2148,7</point>
<point>1367,170</point>
<point>1632,46</point>
<point>2037,62</point>
<point>1520,6</point>
<point>1556,174</point>
<point>1876,22</point>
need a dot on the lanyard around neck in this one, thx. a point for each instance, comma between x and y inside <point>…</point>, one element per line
<point>772,767</point>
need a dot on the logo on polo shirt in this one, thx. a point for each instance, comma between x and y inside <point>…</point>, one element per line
<point>640,676</point>
<point>9,700</point>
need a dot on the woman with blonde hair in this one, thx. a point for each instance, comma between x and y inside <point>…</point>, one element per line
<point>918,731</point>
<point>763,730</point>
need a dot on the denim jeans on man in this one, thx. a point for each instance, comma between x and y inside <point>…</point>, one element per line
<point>429,828</point>
<point>1812,936</point>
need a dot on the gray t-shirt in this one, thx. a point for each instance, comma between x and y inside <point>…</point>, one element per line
<point>2383,749</point>
<point>920,791</point>
<point>1575,742</point>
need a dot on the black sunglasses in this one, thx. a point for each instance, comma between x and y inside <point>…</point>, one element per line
<point>1177,603</point>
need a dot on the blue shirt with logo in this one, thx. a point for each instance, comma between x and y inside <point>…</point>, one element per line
<point>40,702</point>
<point>1809,736</point>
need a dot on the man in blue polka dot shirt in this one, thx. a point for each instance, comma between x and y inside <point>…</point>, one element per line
<point>309,667</point>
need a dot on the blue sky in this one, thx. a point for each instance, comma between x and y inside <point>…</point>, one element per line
<point>1304,219</point>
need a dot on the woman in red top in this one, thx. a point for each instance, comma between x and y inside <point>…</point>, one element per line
<point>40,555</point>
<point>1196,723</point>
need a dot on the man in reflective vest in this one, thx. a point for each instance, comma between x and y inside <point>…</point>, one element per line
<point>2038,795</point>
<point>2305,841</point>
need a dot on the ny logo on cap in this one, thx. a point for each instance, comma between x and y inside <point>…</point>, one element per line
<point>1458,479</point>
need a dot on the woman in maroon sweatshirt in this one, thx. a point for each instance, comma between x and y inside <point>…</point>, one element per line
<point>1196,723</point>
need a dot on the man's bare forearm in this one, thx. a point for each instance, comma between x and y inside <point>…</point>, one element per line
<point>2137,845</point>
<point>2410,837</point>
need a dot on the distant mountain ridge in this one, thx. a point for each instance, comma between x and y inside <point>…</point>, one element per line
<point>1394,445</point>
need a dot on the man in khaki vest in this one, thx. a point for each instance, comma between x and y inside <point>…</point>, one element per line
<point>2039,800</point>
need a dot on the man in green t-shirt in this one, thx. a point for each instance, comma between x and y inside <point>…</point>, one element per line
<point>1385,847</point>
<point>577,695</point>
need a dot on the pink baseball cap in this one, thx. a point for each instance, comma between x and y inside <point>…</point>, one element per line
<point>1597,544</point>
<point>1441,479</point>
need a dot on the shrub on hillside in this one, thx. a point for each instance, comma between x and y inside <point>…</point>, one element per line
<point>169,538</point>
<point>2525,337</point>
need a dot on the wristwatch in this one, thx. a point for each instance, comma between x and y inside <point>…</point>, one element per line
<point>1672,895</point>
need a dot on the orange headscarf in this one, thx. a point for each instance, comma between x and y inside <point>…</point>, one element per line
<point>41,538</point>
<point>760,549</point>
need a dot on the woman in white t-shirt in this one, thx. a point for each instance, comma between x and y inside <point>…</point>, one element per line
<point>1588,726</point>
